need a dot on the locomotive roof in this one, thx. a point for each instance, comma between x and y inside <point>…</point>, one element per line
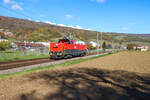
<point>66,39</point>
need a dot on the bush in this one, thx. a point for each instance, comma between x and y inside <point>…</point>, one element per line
<point>5,45</point>
<point>90,47</point>
<point>131,46</point>
<point>104,46</point>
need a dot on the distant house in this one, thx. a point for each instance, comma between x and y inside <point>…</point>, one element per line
<point>6,32</point>
<point>80,42</point>
<point>47,44</point>
<point>94,44</point>
<point>23,45</point>
<point>143,48</point>
<point>2,38</point>
<point>149,48</point>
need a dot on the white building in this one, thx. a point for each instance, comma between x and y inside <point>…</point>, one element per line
<point>80,42</point>
<point>143,48</point>
<point>47,44</point>
<point>3,39</point>
<point>6,32</point>
<point>94,44</point>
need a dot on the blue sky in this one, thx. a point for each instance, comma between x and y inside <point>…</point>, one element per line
<point>128,16</point>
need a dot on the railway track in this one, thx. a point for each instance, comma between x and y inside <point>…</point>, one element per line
<point>22,63</point>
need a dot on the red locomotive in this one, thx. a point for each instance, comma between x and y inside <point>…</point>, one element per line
<point>67,48</point>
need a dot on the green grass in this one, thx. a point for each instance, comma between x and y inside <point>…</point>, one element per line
<point>18,55</point>
<point>51,66</point>
<point>95,51</point>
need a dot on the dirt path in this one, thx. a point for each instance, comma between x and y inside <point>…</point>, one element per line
<point>112,77</point>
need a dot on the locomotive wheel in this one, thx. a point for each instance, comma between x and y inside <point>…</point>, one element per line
<point>83,54</point>
<point>65,57</point>
<point>68,56</point>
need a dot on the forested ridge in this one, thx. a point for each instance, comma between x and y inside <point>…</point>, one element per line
<point>38,31</point>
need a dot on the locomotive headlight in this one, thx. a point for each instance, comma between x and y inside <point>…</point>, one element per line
<point>50,53</point>
<point>60,53</point>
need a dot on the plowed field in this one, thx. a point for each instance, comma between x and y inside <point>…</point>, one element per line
<point>121,76</point>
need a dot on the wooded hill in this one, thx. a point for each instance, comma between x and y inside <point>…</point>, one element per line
<point>38,31</point>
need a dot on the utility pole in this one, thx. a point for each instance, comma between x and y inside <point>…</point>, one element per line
<point>97,42</point>
<point>113,45</point>
<point>70,35</point>
<point>101,39</point>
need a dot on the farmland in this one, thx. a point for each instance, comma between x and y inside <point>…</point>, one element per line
<point>124,75</point>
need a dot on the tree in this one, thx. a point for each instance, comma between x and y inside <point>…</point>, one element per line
<point>4,45</point>
<point>131,46</point>
<point>104,46</point>
<point>120,43</point>
<point>1,34</point>
<point>109,46</point>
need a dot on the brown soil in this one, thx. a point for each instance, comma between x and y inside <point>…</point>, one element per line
<point>122,76</point>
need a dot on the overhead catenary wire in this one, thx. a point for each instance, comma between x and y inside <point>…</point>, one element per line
<point>19,13</point>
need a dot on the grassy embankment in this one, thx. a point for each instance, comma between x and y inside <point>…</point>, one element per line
<point>52,66</point>
<point>19,55</point>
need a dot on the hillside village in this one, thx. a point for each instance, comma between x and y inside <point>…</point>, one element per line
<point>37,45</point>
<point>42,34</point>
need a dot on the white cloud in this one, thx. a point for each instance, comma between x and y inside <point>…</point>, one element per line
<point>68,16</point>
<point>70,26</point>
<point>37,20</point>
<point>30,19</point>
<point>92,0</point>
<point>61,25</point>
<point>128,26</point>
<point>53,23</point>
<point>41,15</point>
<point>48,22</point>
<point>8,1</point>
<point>99,1</point>
<point>89,29</point>
<point>16,7</point>
<point>78,27</point>
<point>21,3</point>
<point>125,28</point>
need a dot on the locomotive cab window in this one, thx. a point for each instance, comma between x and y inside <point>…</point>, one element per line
<point>71,42</point>
<point>64,41</point>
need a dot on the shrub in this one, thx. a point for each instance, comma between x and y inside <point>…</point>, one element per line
<point>90,47</point>
<point>131,46</point>
<point>104,46</point>
<point>4,45</point>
